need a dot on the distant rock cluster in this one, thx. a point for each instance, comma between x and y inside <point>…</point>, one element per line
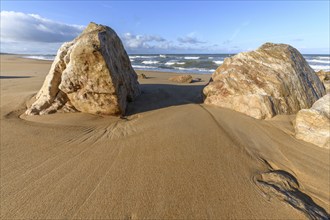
<point>91,74</point>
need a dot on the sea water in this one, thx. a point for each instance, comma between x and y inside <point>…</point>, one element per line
<point>193,63</point>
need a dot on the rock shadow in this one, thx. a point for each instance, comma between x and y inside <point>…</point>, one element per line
<point>157,96</point>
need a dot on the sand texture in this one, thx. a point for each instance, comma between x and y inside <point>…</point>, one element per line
<point>171,157</point>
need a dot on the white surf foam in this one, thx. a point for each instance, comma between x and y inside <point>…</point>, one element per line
<point>191,58</point>
<point>143,67</point>
<point>319,61</point>
<point>39,57</point>
<point>218,62</point>
<point>194,69</point>
<point>150,62</point>
<point>320,67</point>
<point>144,57</point>
<point>324,58</point>
<point>171,62</point>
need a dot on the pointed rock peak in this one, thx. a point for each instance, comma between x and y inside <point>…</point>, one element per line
<point>275,47</point>
<point>91,74</point>
<point>93,27</point>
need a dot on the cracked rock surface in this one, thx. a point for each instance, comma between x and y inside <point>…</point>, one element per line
<point>91,74</point>
<point>274,79</point>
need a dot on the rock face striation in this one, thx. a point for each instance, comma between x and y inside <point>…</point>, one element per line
<point>313,125</point>
<point>274,79</point>
<point>91,74</point>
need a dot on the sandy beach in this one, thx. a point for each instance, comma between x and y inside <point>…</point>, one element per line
<point>170,157</point>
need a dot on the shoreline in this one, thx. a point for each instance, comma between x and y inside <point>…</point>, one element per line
<point>171,157</point>
<point>18,58</point>
<point>192,63</point>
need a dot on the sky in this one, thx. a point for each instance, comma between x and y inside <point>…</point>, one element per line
<point>40,27</point>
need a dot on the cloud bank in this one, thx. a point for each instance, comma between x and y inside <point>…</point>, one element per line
<point>190,40</point>
<point>141,41</point>
<point>18,27</point>
<point>157,44</point>
<point>31,33</point>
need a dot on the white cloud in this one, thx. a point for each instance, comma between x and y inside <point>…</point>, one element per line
<point>154,43</point>
<point>21,27</point>
<point>148,43</point>
<point>190,39</point>
<point>132,41</point>
<point>30,33</point>
<point>29,47</point>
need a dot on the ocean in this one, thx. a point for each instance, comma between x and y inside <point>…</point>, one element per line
<point>193,63</point>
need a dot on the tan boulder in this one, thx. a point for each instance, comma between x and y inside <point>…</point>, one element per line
<point>313,125</point>
<point>274,79</point>
<point>91,74</point>
<point>325,79</point>
<point>181,79</point>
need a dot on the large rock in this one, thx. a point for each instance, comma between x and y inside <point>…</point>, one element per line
<point>325,79</point>
<point>274,79</point>
<point>91,74</point>
<point>313,125</point>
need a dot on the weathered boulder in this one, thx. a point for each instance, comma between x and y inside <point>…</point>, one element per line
<point>91,74</point>
<point>274,79</point>
<point>325,79</point>
<point>181,79</point>
<point>313,125</point>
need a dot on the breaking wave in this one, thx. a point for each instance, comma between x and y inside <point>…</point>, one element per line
<point>150,62</point>
<point>191,63</point>
<point>40,57</point>
<point>320,67</point>
<point>319,61</point>
<point>191,58</point>
<point>219,62</point>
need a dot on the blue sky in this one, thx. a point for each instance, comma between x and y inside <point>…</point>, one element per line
<point>169,26</point>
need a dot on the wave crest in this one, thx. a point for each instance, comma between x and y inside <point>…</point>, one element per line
<point>150,62</point>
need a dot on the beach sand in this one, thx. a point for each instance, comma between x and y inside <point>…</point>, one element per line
<point>171,157</point>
